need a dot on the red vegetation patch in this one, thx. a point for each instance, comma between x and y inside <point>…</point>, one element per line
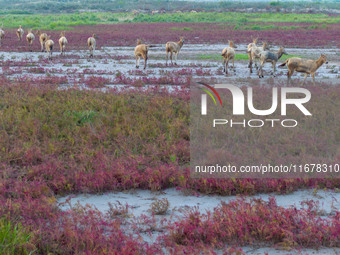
<point>199,33</point>
<point>55,142</point>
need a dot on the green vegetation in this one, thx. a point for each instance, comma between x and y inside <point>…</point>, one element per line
<point>239,57</point>
<point>182,28</point>
<point>14,239</point>
<point>63,21</point>
<point>236,17</point>
<point>70,6</point>
<point>244,21</point>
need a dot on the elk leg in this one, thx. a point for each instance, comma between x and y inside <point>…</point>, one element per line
<point>145,61</point>
<point>313,77</point>
<point>167,57</point>
<point>224,64</point>
<point>304,79</point>
<point>234,64</point>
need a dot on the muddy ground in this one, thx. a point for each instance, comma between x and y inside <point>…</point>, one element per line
<point>204,61</point>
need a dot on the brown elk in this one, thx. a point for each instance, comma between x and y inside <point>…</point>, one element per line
<point>42,39</point>
<point>20,33</point>
<point>306,66</point>
<point>173,47</point>
<point>30,38</point>
<point>141,50</point>
<point>62,43</point>
<point>91,43</point>
<point>228,54</point>
<point>49,47</point>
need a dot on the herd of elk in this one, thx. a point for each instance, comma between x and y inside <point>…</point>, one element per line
<point>255,53</point>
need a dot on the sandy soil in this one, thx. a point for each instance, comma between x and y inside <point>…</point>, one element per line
<point>139,202</point>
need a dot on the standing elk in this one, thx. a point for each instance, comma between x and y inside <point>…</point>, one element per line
<point>91,43</point>
<point>173,47</point>
<point>141,50</point>
<point>30,38</point>
<point>254,54</point>
<point>249,49</point>
<point>306,66</point>
<point>20,33</point>
<point>2,34</point>
<point>49,47</point>
<point>62,43</point>
<point>270,57</point>
<point>42,39</point>
<point>228,54</point>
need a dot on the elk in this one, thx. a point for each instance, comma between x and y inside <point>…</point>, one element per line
<point>228,54</point>
<point>135,12</point>
<point>42,39</point>
<point>173,47</point>
<point>306,66</point>
<point>141,50</point>
<point>254,55</point>
<point>20,33</point>
<point>91,43</point>
<point>249,49</point>
<point>2,34</point>
<point>62,43</point>
<point>30,38</point>
<point>271,57</point>
<point>49,47</point>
